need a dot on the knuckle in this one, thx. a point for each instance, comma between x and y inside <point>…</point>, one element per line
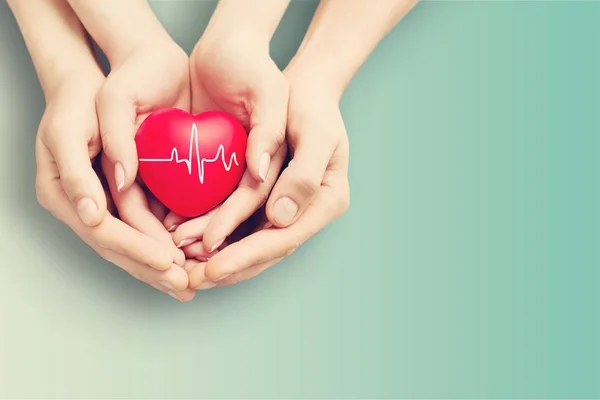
<point>342,202</point>
<point>42,194</point>
<point>291,250</point>
<point>72,183</point>
<point>262,196</point>
<point>52,131</point>
<point>305,184</point>
<point>292,247</point>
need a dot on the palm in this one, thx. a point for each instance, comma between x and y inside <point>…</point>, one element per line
<point>230,83</point>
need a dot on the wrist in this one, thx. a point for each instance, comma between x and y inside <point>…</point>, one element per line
<point>250,21</point>
<point>77,77</point>
<point>119,51</point>
<point>309,71</point>
<point>56,41</point>
<point>155,42</point>
<point>222,45</point>
<point>120,27</point>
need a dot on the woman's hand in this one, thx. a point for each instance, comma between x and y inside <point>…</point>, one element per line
<point>232,71</point>
<point>311,192</point>
<point>148,72</point>
<point>150,78</point>
<point>68,141</point>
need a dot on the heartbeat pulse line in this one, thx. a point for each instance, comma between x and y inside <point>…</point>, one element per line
<point>194,148</point>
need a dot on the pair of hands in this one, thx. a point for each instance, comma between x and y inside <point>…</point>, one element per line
<point>87,161</point>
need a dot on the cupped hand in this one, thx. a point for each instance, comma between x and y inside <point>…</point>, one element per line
<point>153,76</point>
<point>312,191</point>
<point>235,74</point>
<point>67,185</point>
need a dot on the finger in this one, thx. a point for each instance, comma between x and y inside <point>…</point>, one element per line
<point>247,273</point>
<point>192,230</point>
<point>198,251</point>
<point>172,221</point>
<point>77,176</point>
<point>116,115</point>
<point>135,211</point>
<point>173,279</point>
<point>115,235</point>
<point>273,243</point>
<point>300,181</point>
<point>165,283</point>
<point>268,121</point>
<point>240,205</point>
<point>189,265</point>
<point>184,296</point>
<point>156,207</point>
<point>198,280</point>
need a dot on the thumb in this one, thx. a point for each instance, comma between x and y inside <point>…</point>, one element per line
<point>116,116</point>
<point>300,181</point>
<point>267,133</point>
<point>78,178</point>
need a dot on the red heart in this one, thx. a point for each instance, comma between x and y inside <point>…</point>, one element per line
<point>191,163</point>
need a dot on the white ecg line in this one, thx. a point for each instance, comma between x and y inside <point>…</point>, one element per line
<point>199,161</point>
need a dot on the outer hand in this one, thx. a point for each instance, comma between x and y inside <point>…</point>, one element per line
<point>315,180</point>
<point>67,141</point>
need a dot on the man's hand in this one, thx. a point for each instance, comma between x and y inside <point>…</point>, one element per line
<point>310,193</point>
<point>313,189</point>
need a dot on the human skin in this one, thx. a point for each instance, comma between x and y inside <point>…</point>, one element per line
<point>313,189</point>
<point>231,70</point>
<point>149,71</point>
<point>68,141</point>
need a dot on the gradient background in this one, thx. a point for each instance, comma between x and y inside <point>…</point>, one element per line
<point>467,266</point>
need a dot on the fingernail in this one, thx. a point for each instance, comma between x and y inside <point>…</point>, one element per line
<point>206,285</point>
<point>167,285</point>
<point>185,242</point>
<point>173,295</point>
<point>221,277</point>
<point>284,211</point>
<point>267,225</point>
<point>119,176</point>
<point>216,245</point>
<point>87,208</point>
<point>172,228</point>
<point>263,166</point>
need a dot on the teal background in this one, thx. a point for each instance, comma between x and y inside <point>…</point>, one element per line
<point>467,265</point>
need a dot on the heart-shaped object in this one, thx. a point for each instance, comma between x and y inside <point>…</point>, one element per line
<point>191,163</point>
